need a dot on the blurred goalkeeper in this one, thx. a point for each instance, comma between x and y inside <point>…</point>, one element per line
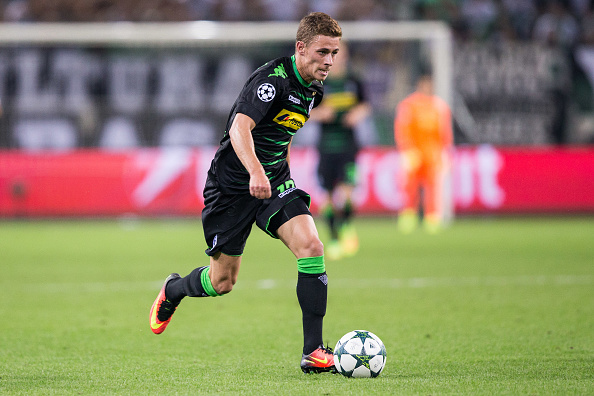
<point>249,182</point>
<point>423,134</point>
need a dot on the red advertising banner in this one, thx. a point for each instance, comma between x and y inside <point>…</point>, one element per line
<point>483,179</point>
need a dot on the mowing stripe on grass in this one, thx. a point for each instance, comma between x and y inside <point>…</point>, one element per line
<point>393,283</point>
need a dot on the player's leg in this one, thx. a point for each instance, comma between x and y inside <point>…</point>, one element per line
<point>227,221</point>
<point>408,215</point>
<point>330,215</point>
<point>214,280</point>
<point>210,281</point>
<point>299,234</point>
<point>431,198</point>
<point>327,211</point>
<point>327,176</point>
<point>348,235</point>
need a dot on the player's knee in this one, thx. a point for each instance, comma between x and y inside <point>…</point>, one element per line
<point>223,285</point>
<point>313,248</point>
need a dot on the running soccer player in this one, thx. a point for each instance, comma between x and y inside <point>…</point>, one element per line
<point>249,181</point>
<point>343,109</point>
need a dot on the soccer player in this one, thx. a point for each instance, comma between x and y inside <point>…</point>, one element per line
<point>249,181</point>
<point>344,107</point>
<point>423,133</point>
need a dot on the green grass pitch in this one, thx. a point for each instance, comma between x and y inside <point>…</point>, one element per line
<point>490,306</point>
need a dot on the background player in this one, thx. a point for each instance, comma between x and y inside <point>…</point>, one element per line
<point>344,107</point>
<point>249,181</point>
<point>423,134</point>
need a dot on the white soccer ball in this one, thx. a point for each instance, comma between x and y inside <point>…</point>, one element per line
<point>360,354</point>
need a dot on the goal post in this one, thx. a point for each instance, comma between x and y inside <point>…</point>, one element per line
<point>395,50</point>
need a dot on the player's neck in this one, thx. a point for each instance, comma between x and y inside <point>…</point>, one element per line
<point>299,70</point>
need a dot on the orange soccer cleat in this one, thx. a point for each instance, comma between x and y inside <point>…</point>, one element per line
<point>319,361</point>
<point>162,309</point>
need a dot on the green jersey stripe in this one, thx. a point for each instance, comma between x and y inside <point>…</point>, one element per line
<point>273,162</point>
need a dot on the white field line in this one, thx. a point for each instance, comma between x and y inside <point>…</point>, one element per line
<point>385,283</point>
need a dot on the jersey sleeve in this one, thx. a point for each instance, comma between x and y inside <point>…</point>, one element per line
<point>257,97</point>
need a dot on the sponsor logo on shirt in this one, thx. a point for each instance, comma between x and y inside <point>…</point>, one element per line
<point>294,99</point>
<point>288,191</point>
<point>290,119</point>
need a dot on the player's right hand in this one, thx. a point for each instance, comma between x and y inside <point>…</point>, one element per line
<point>260,186</point>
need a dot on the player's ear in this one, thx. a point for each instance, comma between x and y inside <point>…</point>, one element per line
<point>300,47</point>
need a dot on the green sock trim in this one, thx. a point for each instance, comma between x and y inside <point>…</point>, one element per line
<point>311,265</point>
<point>206,283</point>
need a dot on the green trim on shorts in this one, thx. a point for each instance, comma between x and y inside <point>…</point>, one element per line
<point>274,214</point>
<point>311,265</point>
<point>207,284</point>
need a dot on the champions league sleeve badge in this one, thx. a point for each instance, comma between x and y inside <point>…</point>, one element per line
<point>266,92</point>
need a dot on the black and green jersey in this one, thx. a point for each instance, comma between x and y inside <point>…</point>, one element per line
<point>279,101</point>
<point>342,94</point>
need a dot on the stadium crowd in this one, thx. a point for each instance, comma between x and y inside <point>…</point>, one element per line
<point>565,26</point>
<point>564,21</point>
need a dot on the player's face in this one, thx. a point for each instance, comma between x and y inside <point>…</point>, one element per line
<point>317,58</point>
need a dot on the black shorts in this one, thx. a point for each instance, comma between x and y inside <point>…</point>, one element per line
<point>336,168</point>
<point>227,219</point>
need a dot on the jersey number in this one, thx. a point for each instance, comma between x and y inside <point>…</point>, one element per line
<point>288,184</point>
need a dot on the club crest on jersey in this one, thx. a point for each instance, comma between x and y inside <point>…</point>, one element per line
<point>290,119</point>
<point>266,92</point>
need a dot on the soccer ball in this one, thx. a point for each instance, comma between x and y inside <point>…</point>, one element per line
<point>360,354</point>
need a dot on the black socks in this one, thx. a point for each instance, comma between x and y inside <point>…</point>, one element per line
<point>312,293</point>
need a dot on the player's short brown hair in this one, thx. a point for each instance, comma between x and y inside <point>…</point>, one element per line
<point>316,24</point>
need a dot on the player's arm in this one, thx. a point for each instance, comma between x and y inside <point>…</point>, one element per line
<point>357,114</point>
<point>360,111</point>
<point>242,141</point>
<point>323,113</point>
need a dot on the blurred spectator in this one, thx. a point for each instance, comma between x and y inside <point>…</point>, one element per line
<point>522,14</point>
<point>282,10</point>
<point>584,57</point>
<point>16,11</point>
<point>556,26</point>
<point>578,7</point>
<point>356,10</point>
<point>587,25</point>
<point>447,11</point>
<point>480,16</point>
<point>439,10</point>
<point>239,10</point>
<point>330,7</point>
